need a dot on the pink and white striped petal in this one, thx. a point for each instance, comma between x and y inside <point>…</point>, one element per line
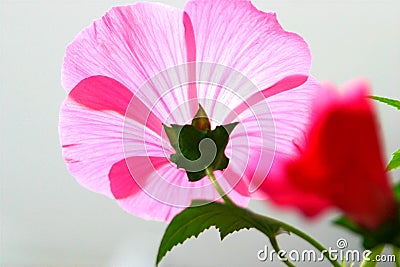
<point>129,44</point>
<point>272,131</point>
<point>292,111</point>
<point>235,34</point>
<point>252,147</point>
<point>291,124</point>
<point>92,127</point>
<point>158,190</point>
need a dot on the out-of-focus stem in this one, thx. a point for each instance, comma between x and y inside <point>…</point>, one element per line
<point>371,262</point>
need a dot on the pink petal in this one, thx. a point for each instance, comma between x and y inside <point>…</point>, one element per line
<point>252,147</point>
<point>191,57</point>
<point>129,44</point>
<point>166,95</point>
<point>165,190</point>
<point>291,124</point>
<point>237,35</point>
<point>95,134</point>
<point>121,182</point>
<point>292,111</point>
<point>189,38</point>
<point>92,143</point>
<point>102,93</point>
<point>252,97</point>
<point>272,131</point>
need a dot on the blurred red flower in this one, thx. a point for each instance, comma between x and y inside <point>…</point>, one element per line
<point>341,163</point>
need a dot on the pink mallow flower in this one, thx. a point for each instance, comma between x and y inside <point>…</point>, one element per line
<point>341,165</point>
<point>145,65</point>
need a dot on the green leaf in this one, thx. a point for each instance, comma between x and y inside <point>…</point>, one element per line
<point>202,215</point>
<point>395,161</point>
<point>391,102</point>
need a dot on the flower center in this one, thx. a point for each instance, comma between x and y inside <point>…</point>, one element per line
<point>198,147</point>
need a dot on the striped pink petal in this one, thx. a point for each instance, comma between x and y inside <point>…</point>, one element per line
<point>234,33</point>
<point>92,120</point>
<point>147,64</point>
<point>129,44</point>
<point>160,190</point>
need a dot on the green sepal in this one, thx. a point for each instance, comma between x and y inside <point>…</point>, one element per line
<point>220,136</point>
<point>387,233</point>
<point>200,120</point>
<point>397,192</point>
<point>189,142</point>
<point>195,176</point>
<point>173,134</point>
<point>395,161</point>
<point>186,142</point>
<point>225,217</point>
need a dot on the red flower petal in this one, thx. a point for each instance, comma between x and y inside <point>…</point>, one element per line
<point>342,164</point>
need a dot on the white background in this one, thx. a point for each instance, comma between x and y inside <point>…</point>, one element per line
<point>48,219</point>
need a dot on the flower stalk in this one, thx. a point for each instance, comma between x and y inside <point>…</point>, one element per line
<point>283,225</point>
<point>370,262</point>
<point>396,253</point>
<point>276,247</point>
<point>219,189</point>
<point>311,241</point>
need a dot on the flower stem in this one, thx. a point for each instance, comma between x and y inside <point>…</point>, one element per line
<point>276,247</point>
<point>375,252</point>
<point>283,225</point>
<point>291,229</point>
<point>396,253</point>
<point>310,240</point>
<point>219,189</point>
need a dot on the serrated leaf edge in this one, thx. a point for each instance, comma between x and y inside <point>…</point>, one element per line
<point>395,157</point>
<point>164,254</point>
